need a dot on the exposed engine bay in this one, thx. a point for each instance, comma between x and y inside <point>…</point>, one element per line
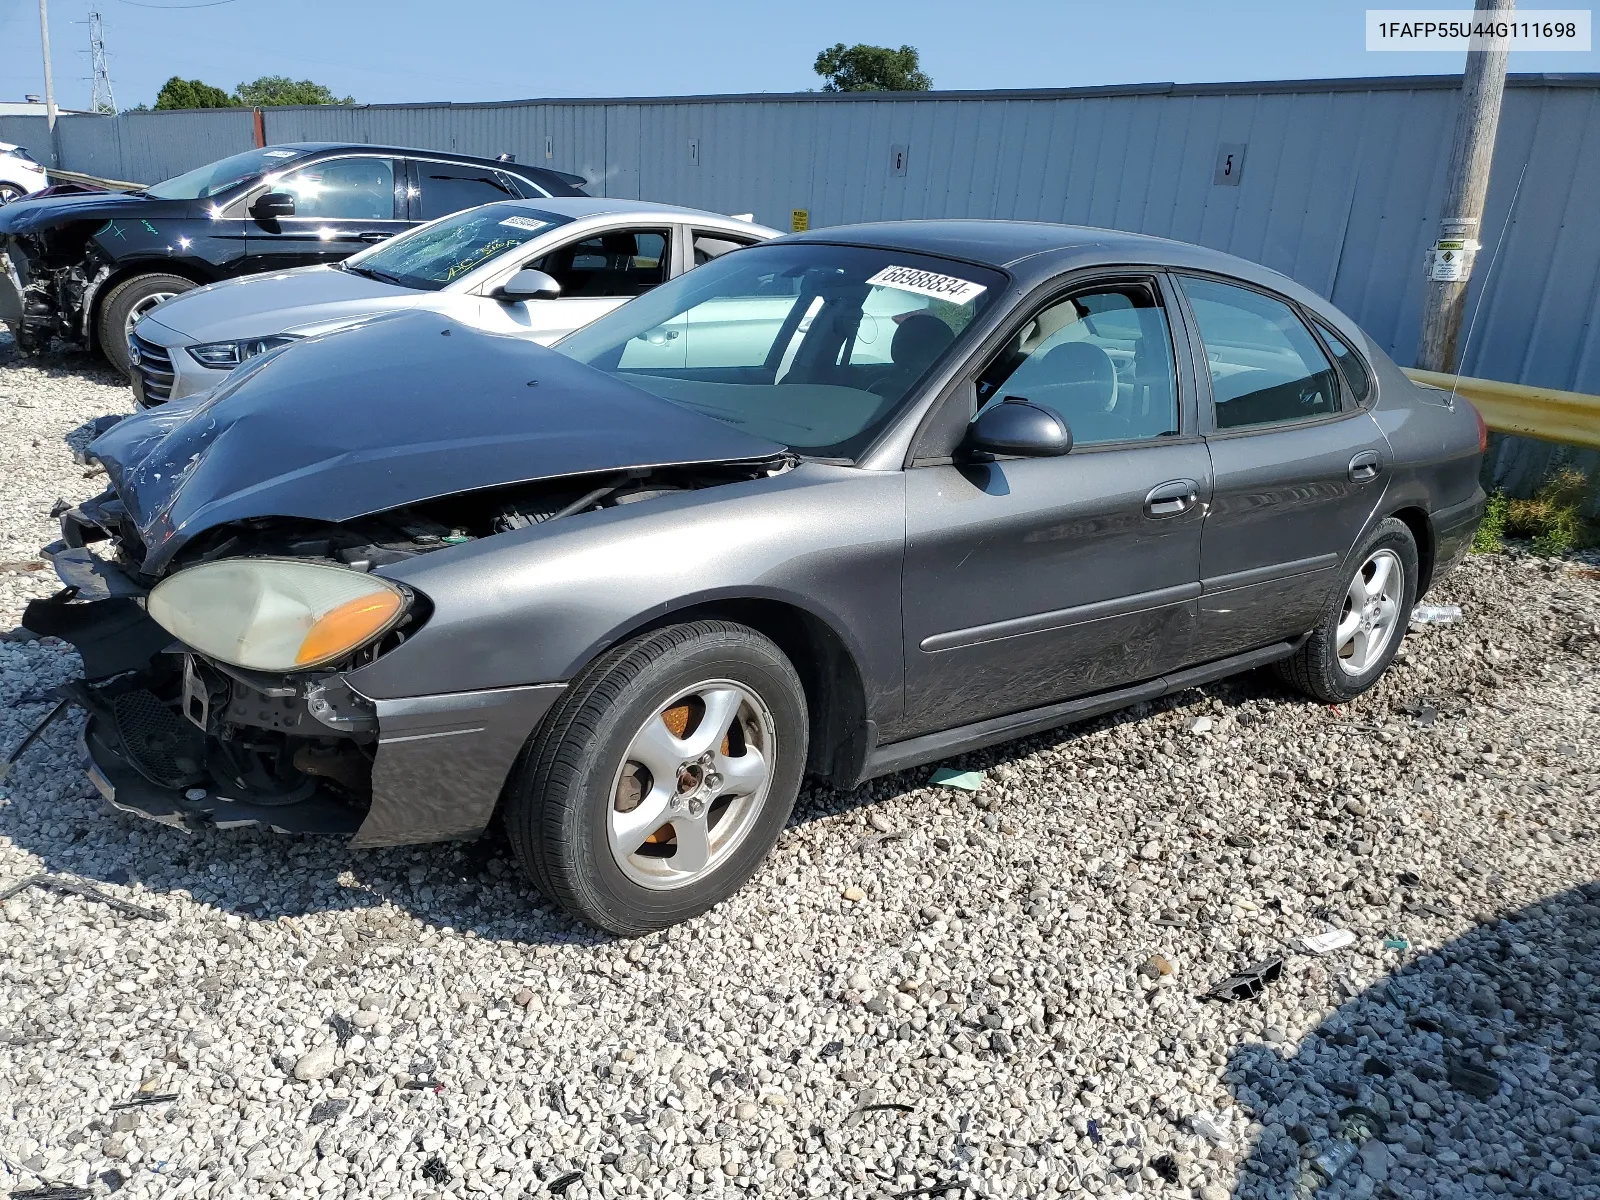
<point>292,750</point>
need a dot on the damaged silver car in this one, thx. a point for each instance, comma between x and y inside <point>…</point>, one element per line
<point>837,504</point>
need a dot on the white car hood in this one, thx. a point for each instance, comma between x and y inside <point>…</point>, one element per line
<point>262,305</point>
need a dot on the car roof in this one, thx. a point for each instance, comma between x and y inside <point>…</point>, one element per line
<point>578,207</point>
<point>1031,250</point>
<point>417,152</point>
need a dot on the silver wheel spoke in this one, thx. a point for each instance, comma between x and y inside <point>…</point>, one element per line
<point>721,706</point>
<point>629,829</point>
<point>1360,646</point>
<point>744,775</point>
<point>660,752</point>
<point>1380,576</point>
<point>694,843</point>
<point>1347,628</point>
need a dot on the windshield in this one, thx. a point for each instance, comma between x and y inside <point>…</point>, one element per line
<point>811,345</point>
<point>215,178</point>
<point>439,253</point>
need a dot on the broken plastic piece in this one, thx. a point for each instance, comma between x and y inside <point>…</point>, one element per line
<point>1248,983</point>
<point>1327,943</point>
<point>559,1186</point>
<point>38,730</point>
<point>1436,614</point>
<point>53,1191</point>
<point>145,1101</point>
<point>1396,943</point>
<point>967,781</point>
<point>1165,1166</point>
<point>72,887</point>
<point>1213,1129</point>
<point>1473,1080</point>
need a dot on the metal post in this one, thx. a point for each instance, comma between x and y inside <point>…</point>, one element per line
<point>1466,184</point>
<point>49,83</point>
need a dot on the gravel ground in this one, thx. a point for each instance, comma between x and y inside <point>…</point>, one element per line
<point>997,991</point>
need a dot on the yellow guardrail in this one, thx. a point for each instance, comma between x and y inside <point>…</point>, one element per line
<point>1536,412</point>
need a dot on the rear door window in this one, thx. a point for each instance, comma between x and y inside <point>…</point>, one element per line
<point>444,188</point>
<point>1266,368</point>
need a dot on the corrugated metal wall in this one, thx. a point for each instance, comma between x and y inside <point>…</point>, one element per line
<point>1341,183</point>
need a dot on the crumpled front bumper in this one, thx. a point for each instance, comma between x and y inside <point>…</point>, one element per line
<point>439,766</point>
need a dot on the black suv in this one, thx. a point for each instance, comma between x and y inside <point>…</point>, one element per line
<point>86,267</point>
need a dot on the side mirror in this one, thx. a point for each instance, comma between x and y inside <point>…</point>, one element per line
<point>1019,429</point>
<point>271,205</point>
<point>527,284</point>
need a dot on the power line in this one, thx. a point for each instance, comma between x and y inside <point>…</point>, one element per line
<point>177,7</point>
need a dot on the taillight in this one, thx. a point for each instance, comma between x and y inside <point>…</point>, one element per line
<point>1483,431</point>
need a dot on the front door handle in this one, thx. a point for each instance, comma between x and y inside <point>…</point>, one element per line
<point>1365,466</point>
<point>373,236</point>
<point>1171,499</point>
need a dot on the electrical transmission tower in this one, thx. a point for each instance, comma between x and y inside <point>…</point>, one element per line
<point>101,100</point>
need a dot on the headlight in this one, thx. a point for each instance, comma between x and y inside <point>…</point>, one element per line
<point>227,355</point>
<point>275,614</point>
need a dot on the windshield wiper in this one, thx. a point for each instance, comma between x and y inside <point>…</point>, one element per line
<point>374,273</point>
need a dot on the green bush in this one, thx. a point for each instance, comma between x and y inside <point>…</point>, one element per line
<point>1492,529</point>
<point>1553,519</point>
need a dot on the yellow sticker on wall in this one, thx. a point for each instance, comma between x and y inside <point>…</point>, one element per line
<point>799,220</point>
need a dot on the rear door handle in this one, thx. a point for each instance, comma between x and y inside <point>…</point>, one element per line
<point>1171,499</point>
<point>1365,466</point>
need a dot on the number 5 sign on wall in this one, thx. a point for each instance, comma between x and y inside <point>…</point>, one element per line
<point>1230,164</point>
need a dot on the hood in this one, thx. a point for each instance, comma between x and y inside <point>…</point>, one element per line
<point>22,215</point>
<point>410,407</point>
<point>262,305</point>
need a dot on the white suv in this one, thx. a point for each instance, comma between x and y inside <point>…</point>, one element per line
<point>20,173</point>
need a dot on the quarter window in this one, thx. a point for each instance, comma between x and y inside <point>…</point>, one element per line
<point>1101,360</point>
<point>450,187</point>
<point>342,189</point>
<point>1266,368</point>
<point>623,262</point>
<point>1350,364</point>
<point>714,245</point>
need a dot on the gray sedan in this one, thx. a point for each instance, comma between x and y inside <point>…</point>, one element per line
<point>839,504</point>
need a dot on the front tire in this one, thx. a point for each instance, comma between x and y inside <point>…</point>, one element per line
<point>661,780</point>
<point>125,304</point>
<point>1362,628</point>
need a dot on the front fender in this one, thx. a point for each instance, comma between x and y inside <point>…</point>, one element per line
<point>534,606</point>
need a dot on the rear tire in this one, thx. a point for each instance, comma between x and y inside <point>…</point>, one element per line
<point>10,192</point>
<point>1365,620</point>
<point>633,813</point>
<point>124,305</point>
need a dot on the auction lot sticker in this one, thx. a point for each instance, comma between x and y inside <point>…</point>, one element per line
<point>928,283</point>
<point>527,223</point>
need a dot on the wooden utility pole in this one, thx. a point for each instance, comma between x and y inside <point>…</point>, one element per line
<point>49,83</point>
<point>1471,151</point>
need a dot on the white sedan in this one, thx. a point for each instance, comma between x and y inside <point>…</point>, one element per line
<point>535,268</point>
<point>20,173</point>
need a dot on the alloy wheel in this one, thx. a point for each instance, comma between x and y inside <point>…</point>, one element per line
<point>1371,612</point>
<point>143,305</point>
<point>691,784</point>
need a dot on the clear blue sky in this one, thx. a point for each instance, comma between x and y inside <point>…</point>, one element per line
<point>386,51</point>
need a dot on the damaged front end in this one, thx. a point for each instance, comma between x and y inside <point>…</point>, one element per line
<point>51,272</point>
<point>227,591</point>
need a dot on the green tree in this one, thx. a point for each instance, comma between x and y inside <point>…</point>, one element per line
<point>280,89</point>
<point>191,93</point>
<point>863,68</point>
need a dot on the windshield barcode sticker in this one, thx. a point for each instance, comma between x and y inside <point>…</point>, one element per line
<point>279,153</point>
<point>928,283</point>
<point>528,223</point>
